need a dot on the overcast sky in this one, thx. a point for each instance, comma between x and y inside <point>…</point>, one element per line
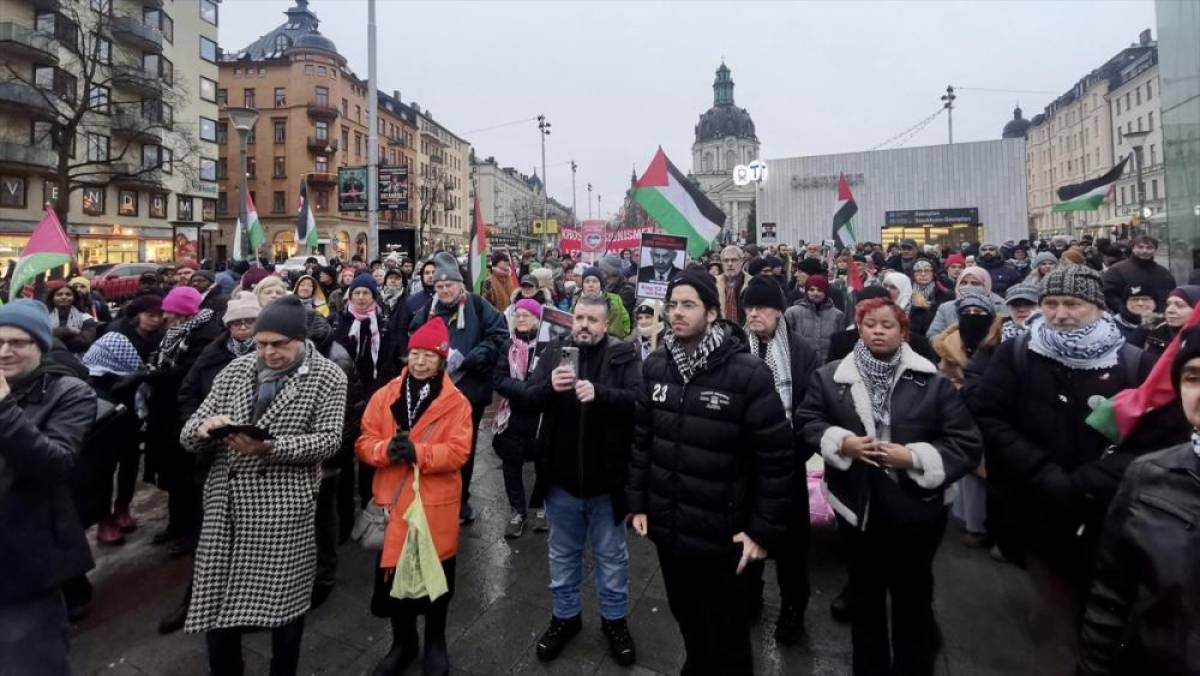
<point>617,79</point>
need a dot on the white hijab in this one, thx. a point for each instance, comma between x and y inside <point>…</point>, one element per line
<point>904,285</point>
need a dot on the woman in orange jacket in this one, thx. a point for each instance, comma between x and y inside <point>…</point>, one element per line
<point>418,418</point>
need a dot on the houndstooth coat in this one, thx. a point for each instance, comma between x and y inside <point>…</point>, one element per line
<point>256,560</point>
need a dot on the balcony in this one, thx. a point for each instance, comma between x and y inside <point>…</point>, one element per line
<point>322,178</point>
<point>322,145</point>
<point>437,159</point>
<point>26,158</point>
<point>397,142</point>
<point>25,43</point>
<point>137,79</point>
<point>322,111</point>
<point>23,99</point>
<point>132,32</point>
<point>132,124</point>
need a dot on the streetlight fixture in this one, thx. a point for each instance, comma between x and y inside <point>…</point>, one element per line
<point>544,131</point>
<point>243,120</point>
<point>1135,139</point>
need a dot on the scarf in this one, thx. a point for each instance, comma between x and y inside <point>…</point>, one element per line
<point>879,377</point>
<point>390,296</point>
<point>453,312</point>
<point>415,397</point>
<point>112,354</point>
<point>175,340</point>
<point>270,381</point>
<point>1088,348</point>
<point>519,364</point>
<point>239,347</point>
<point>72,318</point>
<point>778,357</point>
<point>371,319</point>
<point>1196,443</point>
<point>690,365</point>
<point>927,291</point>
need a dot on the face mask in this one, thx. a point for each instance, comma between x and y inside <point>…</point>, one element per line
<point>973,329</point>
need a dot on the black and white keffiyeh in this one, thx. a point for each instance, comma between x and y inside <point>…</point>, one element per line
<point>1196,443</point>
<point>779,359</point>
<point>690,365</point>
<point>112,354</point>
<point>879,377</point>
<point>1088,348</point>
<point>175,340</point>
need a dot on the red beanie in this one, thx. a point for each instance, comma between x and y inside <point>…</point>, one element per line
<point>820,282</point>
<point>432,336</point>
<point>956,259</point>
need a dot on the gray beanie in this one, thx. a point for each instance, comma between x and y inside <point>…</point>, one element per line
<point>1044,257</point>
<point>446,268</point>
<point>1077,281</point>
<point>285,316</point>
<point>1026,292</point>
<point>973,297</point>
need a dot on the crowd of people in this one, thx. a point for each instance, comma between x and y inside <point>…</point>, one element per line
<point>287,414</point>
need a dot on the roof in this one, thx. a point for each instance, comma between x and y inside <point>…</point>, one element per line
<point>298,32</point>
<point>1016,127</point>
<point>724,119</point>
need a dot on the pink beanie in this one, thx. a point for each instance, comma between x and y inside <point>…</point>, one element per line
<point>183,301</point>
<point>529,305</point>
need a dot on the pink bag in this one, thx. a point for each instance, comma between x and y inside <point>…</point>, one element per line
<point>820,514</point>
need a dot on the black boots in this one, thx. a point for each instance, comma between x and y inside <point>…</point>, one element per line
<point>436,661</point>
<point>790,625</point>
<point>557,635</point>
<point>620,643</point>
<point>175,619</point>
<point>404,647</point>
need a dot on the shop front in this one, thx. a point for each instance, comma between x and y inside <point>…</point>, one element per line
<point>940,227</point>
<point>95,245</point>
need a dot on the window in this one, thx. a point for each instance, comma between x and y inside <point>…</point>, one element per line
<point>1150,121</point>
<point>308,69</point>
<point>1149,92</point>
<point>208,130</point>
<point>321,71</point>
<point>56,81</point>
<point>222,203</point>
<point>159,112</point>
<point>322,96</point>
<point>1137,95</point>
<point>1154,189</point>
<point>208,90</point>
<point>1120,134</point>
<point>12,192</point>
<point>322,200</point>
<point>102,49</point>
<point>280,97</point>
<point>237,72</point>
<point>279,201</point>
<point>156,157</point>
<point>279,169</point>
<point>64,30</point>
<point>322,165</point>
<point>208,169</point>
<point>345,108</point>
<point>127,203</point>
<point>222,133</point>
<point>248,99</point>
<point>157,205</point>
<point>282,42</point>
<point>1153,155</point>
<point>156,18</point>
<point>97,147</point>
<point>1122,195</point>
<point>222,169</point>
<point>208,11</point>
<point>222,97</point>
<point>345,140</point>
<point>357,144</point>
<point>183,208</point>
<point>251,167</point>
<point>1127,106</point>
<point>93,201</point>
<point>322,131</point>
<point>358,114</point>
<point>208,50</point>
<point>279,127</point>
<point>98,99</point>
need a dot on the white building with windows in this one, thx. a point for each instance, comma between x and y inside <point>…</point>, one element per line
<point>725,138</point>
<point>1134,102</point>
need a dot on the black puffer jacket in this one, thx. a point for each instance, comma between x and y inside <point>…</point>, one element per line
<point>712,457</point>
<point>1150,276</point>
<point>1141,613</point>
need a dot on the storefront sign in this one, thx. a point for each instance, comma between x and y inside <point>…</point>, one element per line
<point>829,181</point>
<point>158,205</point>
<point>93,201</point>
<point>969,215</point>
<point>204,188</point>
<point>12,192</point>
<point>127,203</point>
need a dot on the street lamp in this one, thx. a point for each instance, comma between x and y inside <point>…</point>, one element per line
<point>1135,140</point>
<point>544,131</point>
<point>243,120</point>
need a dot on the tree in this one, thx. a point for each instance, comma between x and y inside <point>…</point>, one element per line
<point>434,189</point>
<point>104,110</point>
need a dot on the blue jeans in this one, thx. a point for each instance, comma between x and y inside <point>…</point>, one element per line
<point>573,521</point>
<point>33,636</point>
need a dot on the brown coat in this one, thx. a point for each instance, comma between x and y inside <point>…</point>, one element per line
<point>948,345</point>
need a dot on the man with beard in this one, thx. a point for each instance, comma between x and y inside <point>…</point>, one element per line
<point>1138,270</point>
<point>1002,273</point>
<point>498,287</point>
<point>904,260</point>
<point>711,476</point>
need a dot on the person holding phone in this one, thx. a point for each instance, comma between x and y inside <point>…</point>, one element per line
<point>894,434</point>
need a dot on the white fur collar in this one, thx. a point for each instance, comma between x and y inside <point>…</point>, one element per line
<point>847,373</point>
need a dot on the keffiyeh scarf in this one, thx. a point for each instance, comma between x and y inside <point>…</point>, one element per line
<point>1196,443</point>
<point>690,365</point>
<point>927,291</point>
<point>879,377</point>
<point>74,319</point>
<point>1089,348</point>
<point>239,347</point>
<point>112,354</point>
<point>175,340</point>
<point>371,319</point>
<point>779,360</point>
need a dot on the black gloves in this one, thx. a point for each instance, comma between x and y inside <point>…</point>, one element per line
<point>401,449</point>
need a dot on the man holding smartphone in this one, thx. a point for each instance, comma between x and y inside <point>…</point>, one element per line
<point>586,386</point>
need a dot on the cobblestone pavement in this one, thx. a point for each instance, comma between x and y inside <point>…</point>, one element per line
<point>501,605</point>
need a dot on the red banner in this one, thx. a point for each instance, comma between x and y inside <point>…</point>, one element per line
<point>593,237</point>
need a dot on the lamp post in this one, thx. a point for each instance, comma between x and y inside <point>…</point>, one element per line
<point>574,213</point>
<point>589,201</point>
<point>948,104</point>
<point>544,131</point>
<point>243,120</point>
<point>1135,140</point>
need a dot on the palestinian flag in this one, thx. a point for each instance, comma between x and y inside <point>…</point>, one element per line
<point>306,223</point>
<point>843,215</point>
<point>255,229</point>
<point>1117,416</point>
<point>1089,195</point>
<point>477,261</point>
<point>47,248</point>
<point>677,205</point>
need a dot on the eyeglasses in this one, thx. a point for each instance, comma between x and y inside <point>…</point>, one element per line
<point>730,260</point>
<point>17,344</point>
<point>241,323</point>
<point>273,344</point>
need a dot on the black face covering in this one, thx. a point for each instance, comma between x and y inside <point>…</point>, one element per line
<point>973,329</point>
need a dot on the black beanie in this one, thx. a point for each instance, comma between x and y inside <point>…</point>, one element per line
<point>869,292</point>
<point>285,317</point>
<point>756,265</point>
<point>761,292</point>
<point>702,282</point>
<point>1189,349</point>
<point>812,266</point>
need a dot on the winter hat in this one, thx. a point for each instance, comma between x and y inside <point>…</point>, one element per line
<point>1029,293</point>
<point>1074,256</point>
<point>812,266</point>
<point>611,265</point>
<point>206,274</point>
<point>240,267</point>
<point>1077,281</point>
<point>922,264</point>
<point>529,305</point>
<point>147,302</point>
<point>592,272</point>
<point>972,297</point>
<point>445,269</point>
<point>530,280</point>
<point>87,283</point>
<point>819,282</point>
<point>773,261</point>
<point>267,283</point>
<point>978,273</point>
<point>1136,291</point>
<point>31,317</point>
<point>364,279</point>
<point>756,266</point>
<point>761,292</point>
<point>1187,293</point>
<point>433,336</point>
<point>702,282</point>
<point>285,316</point>
<point>183,301</point>
<point>955,259</point>
<point>1044,257</point>
<point>242,306</point>
<point>392,272</point>
<point>253,276</point>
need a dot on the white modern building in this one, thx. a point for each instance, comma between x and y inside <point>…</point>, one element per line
<point>943,194</point>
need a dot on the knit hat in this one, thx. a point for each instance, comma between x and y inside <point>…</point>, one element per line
<point>206,274</point>
<point>812,266</point>
<point>364,279</point>
<point>31,317</point>
<point>529,305</point>
<point>974,298</point>
<point>87,283</point>
<point>433,336</point>
<point>1074,256</point>
<point>702,282</point>
<point>955,259</point>
<point>253,276</point>
<point>819,282</point>
<point>1138,290</point>
<point>760,292</point>
<point>592,272</point>
<point>1187,293</point>
<point>445,268</point>
<point>147,302</point>
<point>756,266</point>
<point>611,265</point>
<point>242,306</point>
<point>183,301</point>
<point>1029,293</point>
<point>1044,257</point>
<point>1077,281</point>
<point>922,264</point>
<point>285,316</point>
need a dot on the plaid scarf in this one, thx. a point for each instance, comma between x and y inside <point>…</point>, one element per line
<point>239,347</point>
<point>879,377</point>
<point>779,359</point>
<point>1088,348</point>
<point>1196,443</point>
<point>175,340</point>
<point>690,365</point>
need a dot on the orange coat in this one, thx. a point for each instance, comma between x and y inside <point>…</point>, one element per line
<point>442,438</point>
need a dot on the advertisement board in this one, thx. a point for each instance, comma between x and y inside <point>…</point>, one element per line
<point>352,188</point>
<point>393,188</point>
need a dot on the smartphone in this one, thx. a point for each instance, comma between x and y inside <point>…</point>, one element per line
<point>249,430</point>
<point>570,357</point>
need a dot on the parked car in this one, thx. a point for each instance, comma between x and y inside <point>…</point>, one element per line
<point>120,282</point>
<point>295,265</point>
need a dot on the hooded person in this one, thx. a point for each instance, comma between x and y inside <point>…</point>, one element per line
<point>311,294</point>
<point>498,287</point>
<point>618,319</point>
<point>1043,263</point>
<point>971,277</point>
<point>814,317</point>
<point>899,286</point>
<point>1178,307</point>
<point>648,327</point>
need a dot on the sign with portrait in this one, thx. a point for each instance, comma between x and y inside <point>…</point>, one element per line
<point>352,188</point>
<point>393,188</point>
<point>187,243</point>
<point>663,258</point>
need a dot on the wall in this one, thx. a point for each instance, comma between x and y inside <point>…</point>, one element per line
<point>1179,72</point>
